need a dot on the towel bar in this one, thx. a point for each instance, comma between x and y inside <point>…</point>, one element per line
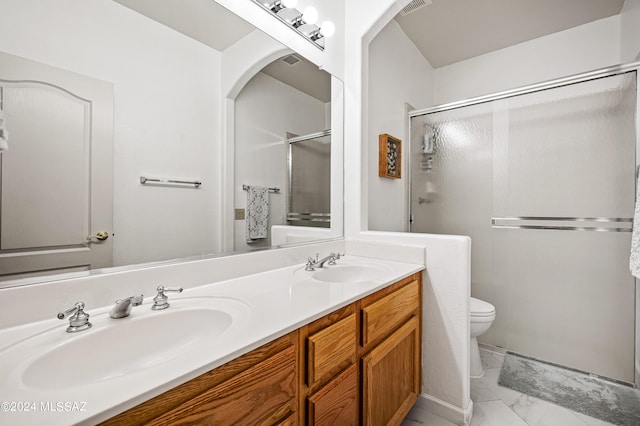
<point>272,189</point>
<point>517,223</point>
<point>144,180</point>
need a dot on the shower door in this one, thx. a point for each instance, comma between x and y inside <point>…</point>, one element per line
<point>309,176</point>
<point>544,183</point>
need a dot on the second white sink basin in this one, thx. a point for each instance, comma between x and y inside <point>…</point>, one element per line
<point>113,348</point>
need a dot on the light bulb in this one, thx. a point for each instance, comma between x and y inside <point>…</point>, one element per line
<point>289,3</point>
<point>327,29</point>
<point>310,15</point>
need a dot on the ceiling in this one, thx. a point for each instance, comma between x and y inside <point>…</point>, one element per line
<point>202,20</point>
<point>209,23</point>
<point>449,31</point>
<point>445,31</point>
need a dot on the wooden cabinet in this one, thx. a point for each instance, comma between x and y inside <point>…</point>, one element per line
<point>360,364</point>
<point>391,377</point>
<point>391,352</point>
<point>329,383</point>
<point>337,402</point>
<point>258,388</point>
<point>386,310</point>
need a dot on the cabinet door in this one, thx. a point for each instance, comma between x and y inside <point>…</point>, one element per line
<point>262,395</point>
<point>337,402</point>
<point>391,376</point>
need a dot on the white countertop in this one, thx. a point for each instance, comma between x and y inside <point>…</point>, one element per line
<point>268,305</point>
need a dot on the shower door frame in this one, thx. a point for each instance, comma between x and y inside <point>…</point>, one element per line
<point>538,87</point>
<point>311,217</point>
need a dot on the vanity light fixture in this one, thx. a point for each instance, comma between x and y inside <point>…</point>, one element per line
<point>304,23</point>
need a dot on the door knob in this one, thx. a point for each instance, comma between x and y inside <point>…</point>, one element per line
<point>100,236</point>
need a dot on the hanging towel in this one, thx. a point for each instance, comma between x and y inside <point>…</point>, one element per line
<point>4,135</point>
<point>634,259</point>
<point>257,215</point>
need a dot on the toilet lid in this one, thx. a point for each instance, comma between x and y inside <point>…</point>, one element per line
<point>481,308</point>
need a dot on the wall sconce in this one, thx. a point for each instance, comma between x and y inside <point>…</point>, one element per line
<point>304,23</point>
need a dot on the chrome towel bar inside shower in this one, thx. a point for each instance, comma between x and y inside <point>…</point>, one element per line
<point>144,180</point>
<point>520,222</point>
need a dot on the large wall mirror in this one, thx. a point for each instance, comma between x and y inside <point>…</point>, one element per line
<point>159,126</point>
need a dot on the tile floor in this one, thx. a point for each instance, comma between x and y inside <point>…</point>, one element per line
<point>495,405</point>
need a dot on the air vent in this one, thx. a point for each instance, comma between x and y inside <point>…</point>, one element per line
<point>413,6</point>
<point>291,59</point>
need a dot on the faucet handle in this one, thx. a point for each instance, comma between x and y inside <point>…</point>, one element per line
<point>79,319</point>
<point>309,265</point>
<point>333,257</point>
<point>160,301</point>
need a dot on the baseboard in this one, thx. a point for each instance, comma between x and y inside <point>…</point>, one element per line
<point>491,348</point>
<point>445,410</point>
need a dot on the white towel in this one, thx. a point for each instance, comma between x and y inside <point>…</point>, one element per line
<point>634,258</point>
<point>257,215</point>
<point>4,135</point>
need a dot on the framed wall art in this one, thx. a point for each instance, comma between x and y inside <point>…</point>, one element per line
<point>390,157</point>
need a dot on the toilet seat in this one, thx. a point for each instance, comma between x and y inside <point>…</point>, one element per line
<point>480,308</point>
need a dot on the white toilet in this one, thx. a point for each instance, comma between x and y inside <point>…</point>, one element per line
<point>482,316</point>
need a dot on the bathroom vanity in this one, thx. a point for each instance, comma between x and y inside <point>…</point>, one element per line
<point>360,364</point>
<point>338,345</point>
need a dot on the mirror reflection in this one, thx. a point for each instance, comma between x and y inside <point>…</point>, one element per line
<point>145,124</point>
<point>270,117</point>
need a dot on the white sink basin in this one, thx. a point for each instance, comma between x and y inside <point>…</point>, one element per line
<point>349,273</point>
<point>113,348</point>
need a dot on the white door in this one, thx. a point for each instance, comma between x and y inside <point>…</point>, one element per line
<point>56,177</point>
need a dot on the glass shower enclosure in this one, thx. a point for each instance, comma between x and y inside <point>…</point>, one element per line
<point>543,180</point>
<point>309,180</point>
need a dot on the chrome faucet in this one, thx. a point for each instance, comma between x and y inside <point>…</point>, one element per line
<point>79,319</point>
<point>312,263</point>
<point>123,306</point>
<point>160,301</point>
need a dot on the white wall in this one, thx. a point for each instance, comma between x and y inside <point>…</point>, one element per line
<point>583,48</point>
<point>446,388</point>
<point>265,110</point>
<point>398,75</point>
<point>166,101</point>
<point>630,31</point>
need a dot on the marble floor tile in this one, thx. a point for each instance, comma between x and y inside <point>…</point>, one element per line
<point>495,405</point>
<point>420,417</point>
<point>491,359</point>
<point>590,421</point>
<point>494,413</point>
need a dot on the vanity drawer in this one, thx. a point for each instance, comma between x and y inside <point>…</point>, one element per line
<point>384,315</point>
<point>331,349</point>
<point>337,402</point>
